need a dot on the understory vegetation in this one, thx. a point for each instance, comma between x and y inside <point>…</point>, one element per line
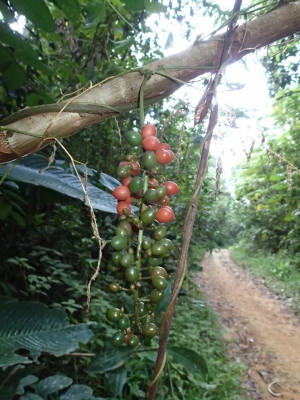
<point>279,273</point>
<point>55,334</point>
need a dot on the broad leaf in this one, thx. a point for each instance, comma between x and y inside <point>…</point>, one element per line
<point>96,13</point>
<point>26,381</point>
<point>108,181</point>
<point>52,384</point>
<point>12,377</point>
<point>35,328</point>
<point>117,379</point>
<point>134,5</point>
<point>110,359</point>
<point>70,7</point>
<point>154,6</point>
<point>77,392</point>
<point>31,396</point>
<point>37,12</point>
<point>190,359</point>
<point>14,76</point>
<point>56,178</point>
<point>24,52</point>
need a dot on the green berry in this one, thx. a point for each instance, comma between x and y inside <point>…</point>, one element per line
<point>158,249</point>
<point>133,138</point>
<point>133,341</point>
<point>150,330</point>
<point>117,339</point>
<point>167,243</point>
<point>132,274</point>
<point>118,242</point>
<point>114,287</point>
<point>123,323</point>
<point>123,171</point>
<point>156,296</point>
<point>150,196</point>
<point>141,308</point>
<point>113,314</point>
<point>149,160</point>
<point>160,232</point>
<point>136,184</point>
<point>159,282</point>
<point>148,216</point>
<point>127,260</point>
<point>159,271</point>
<point>154,261</point>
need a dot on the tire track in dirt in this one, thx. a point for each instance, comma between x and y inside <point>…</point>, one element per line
<point>263,332</point>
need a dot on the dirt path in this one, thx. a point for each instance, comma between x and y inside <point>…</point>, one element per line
<point>260,330</point>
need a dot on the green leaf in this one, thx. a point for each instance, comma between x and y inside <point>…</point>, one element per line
<point>31,396</point>
<point>23,50</point>
<point>14,76</point>
<point>5,210</point>
<point>18,218</point>
<point>70,7</point>
<point>110,359</point>
<point>6,58</point>
<point>96,13</point>
<point>154,7</point>
<point>7,14</point>
<point>124,44</point>
<point>289,217</point>
<point>26,381</point>
<point>108,181</point>
<point>134,5</point>
<point>37,12</point>
<point>27,58</point>
<point>34,327</point>
<point>56,178</point>
<point>77,392</point>
<point>166,300</point>
<point>117,379</point>
<point>190,359</point>
<point>11,379</point>
<point>52,384</point>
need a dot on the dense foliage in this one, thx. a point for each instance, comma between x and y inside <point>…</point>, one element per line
<point>48,253</point>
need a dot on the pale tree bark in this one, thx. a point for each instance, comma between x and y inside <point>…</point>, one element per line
<point>30,129</point>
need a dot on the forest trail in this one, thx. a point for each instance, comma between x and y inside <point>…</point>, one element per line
<point>260,330</point>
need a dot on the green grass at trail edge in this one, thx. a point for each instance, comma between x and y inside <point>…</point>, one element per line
<point>281,273</point>
<point>196,327</point>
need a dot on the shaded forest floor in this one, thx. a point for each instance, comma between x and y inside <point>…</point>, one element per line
<point>260,330</point>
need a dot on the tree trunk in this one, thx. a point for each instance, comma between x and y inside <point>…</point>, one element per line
<point>28,130</point>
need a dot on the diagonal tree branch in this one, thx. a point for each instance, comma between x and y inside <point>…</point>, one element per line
<point>32,128</point>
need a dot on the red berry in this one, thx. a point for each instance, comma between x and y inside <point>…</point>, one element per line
<point>164,201</point>
<point>164,156</point>
<point>136,167</point>
<point>165,214</point>
<point>150,143</point>
<point>126,181</point>
<point>123,205</point>
<point>148,130</point>
<point>163,146</point>
<point>121,193</point>
<point>172,187</point>
<point>152,183</point>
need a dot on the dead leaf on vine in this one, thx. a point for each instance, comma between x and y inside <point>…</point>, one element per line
<point>204,104</point>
